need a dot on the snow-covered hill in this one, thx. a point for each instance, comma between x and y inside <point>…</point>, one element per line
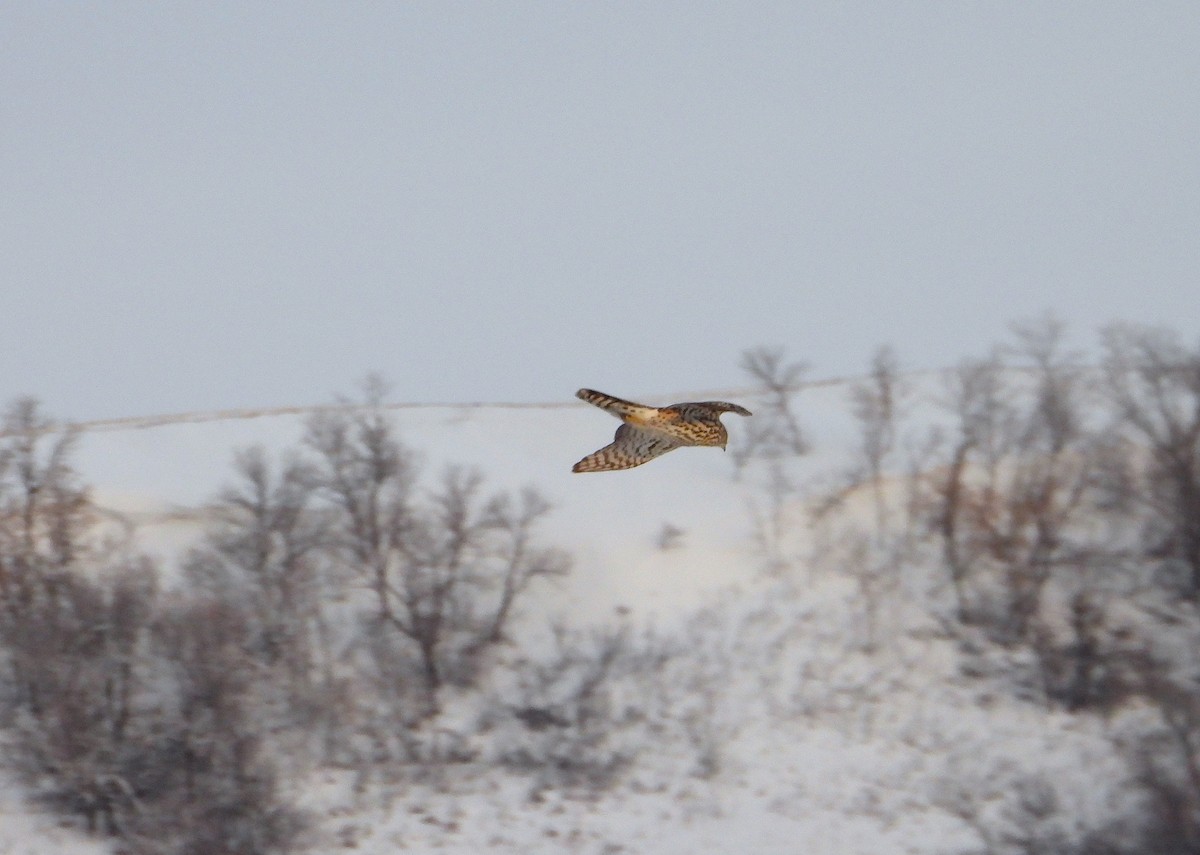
<point>157,474</point>
<point>781,727</point>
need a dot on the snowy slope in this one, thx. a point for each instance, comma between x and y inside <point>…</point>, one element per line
<point>26,830</point>
<point>817,746</point>
<point>158,478</point>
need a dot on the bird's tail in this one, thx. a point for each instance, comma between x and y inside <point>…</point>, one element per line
<point>617,406</point>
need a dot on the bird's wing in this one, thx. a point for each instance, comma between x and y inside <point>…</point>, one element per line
<point>716,406</point>
<point>632,447</point>
<point>619,407</point>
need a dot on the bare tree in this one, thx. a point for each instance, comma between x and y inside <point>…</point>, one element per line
<point>78,661</point>
<point>264,551</point>
<point>432,570</point>
<point>112,725</point>
<point>1055,472</point>
<point>455,576</point>
<point>1017,476</point>
<point>1154,384</point>
<point>445,570</point>
<point>580,715</point>
<point>775,431</point>
<point>520,561</point>
<point>776,439</point>
<point>369,477</point>
<point>1165,764</point>
<point>46,522</point>
<point>983,431</point>
<point>46,516</point>
<point>874,403</point>
<point>217,781</point>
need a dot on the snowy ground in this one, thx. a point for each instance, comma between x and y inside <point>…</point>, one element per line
<point>26,830</point>
<point>158,479</point>
<point>818,747</point>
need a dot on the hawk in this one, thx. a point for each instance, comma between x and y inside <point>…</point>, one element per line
<point>649,432</point>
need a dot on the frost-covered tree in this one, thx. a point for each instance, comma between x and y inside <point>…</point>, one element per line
<point>1014,480</point>
<point>445,568</point>
<point>130,709</point>
<point>1153,382</point>
<point>46,515</point>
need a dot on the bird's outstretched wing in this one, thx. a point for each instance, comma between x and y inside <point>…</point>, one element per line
<point>718,407</point>
<point>631,447</point>
<point>619,407</point>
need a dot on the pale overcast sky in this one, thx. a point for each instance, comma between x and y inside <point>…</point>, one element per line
<point>211,205</point>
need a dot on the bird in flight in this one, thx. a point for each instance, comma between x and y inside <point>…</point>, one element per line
<point>649,432</point>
